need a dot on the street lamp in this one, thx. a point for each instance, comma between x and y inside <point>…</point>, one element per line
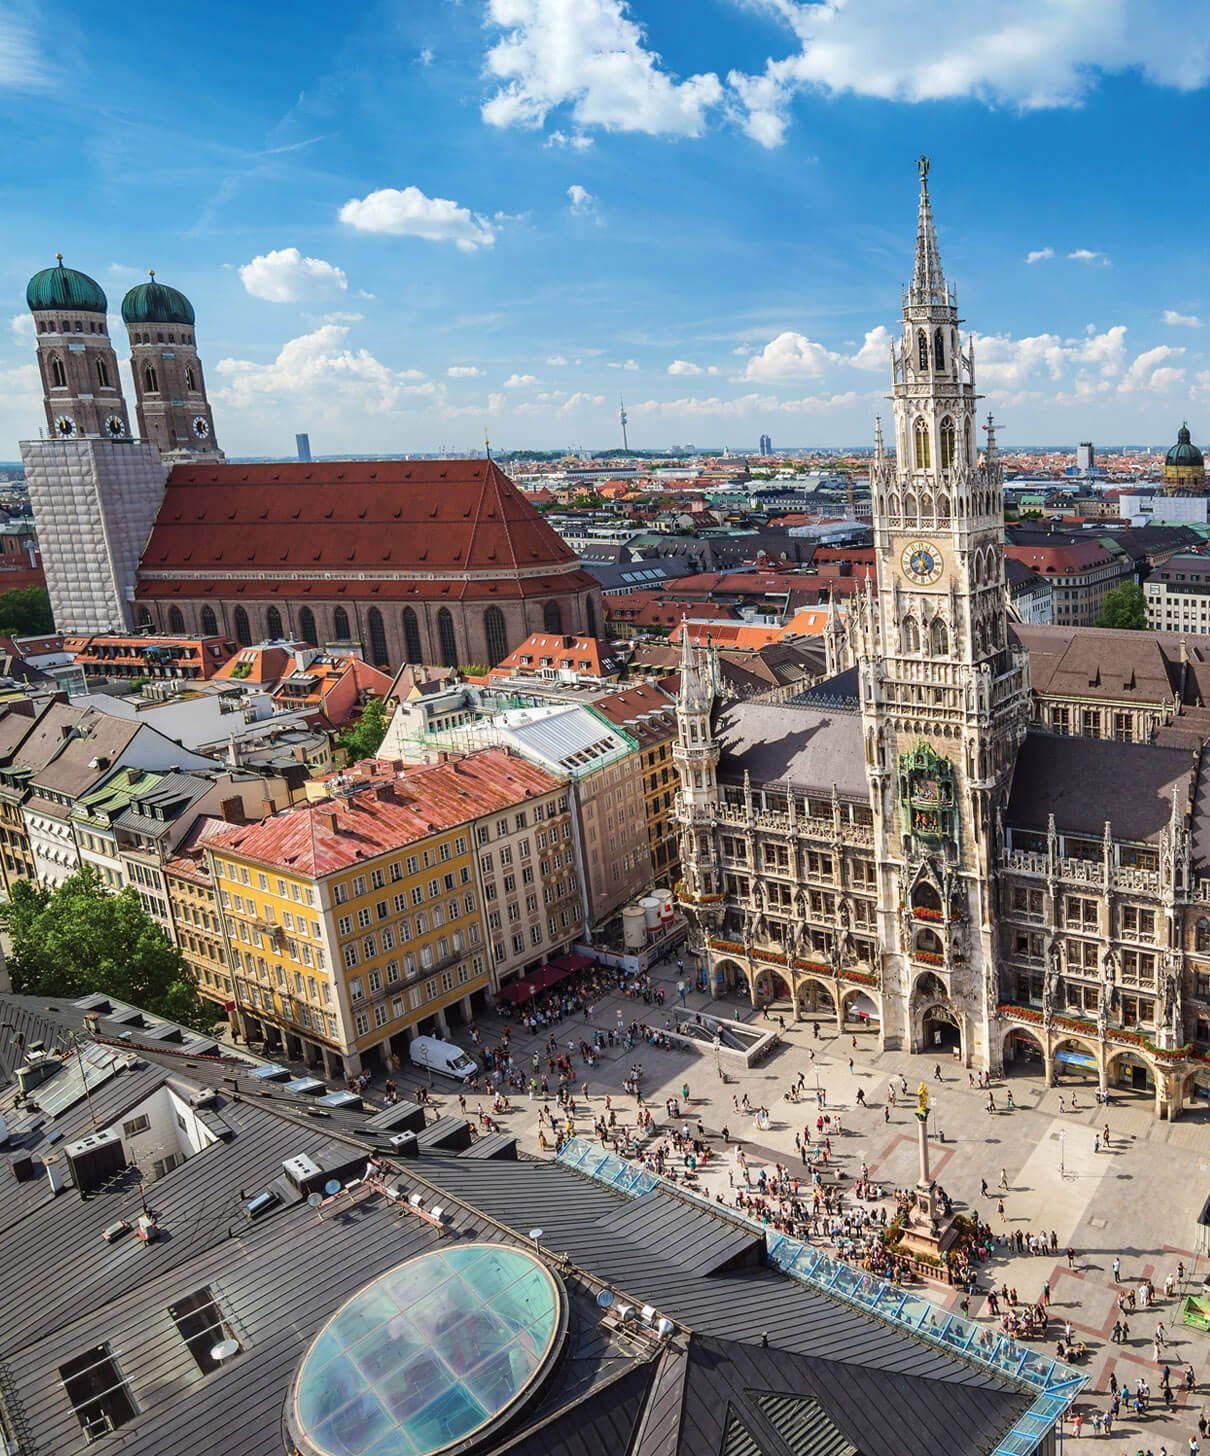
<point>718,1062</point>
<point>1062,1153</point>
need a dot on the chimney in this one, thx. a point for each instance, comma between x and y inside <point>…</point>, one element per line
<point>300,752</point>
<point>327,820</point>
<point>232,810</point>
<point>385,793</point>
<point>267,809</point>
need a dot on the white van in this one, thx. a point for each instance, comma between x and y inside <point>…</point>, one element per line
<point>442,1056</point>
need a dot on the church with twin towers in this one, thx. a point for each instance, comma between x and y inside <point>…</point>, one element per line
<point>902,848</point>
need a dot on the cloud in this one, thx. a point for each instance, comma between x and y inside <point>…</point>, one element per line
<point>321,370</point>
<point>683,366</point>
<point>580,201</point>
<point>23,64</point>
<point>409,213</point>
<point>1181,320</point>
<point>23,325</point>
<point>595,62</point>
<point>575,141</point>
<point>630,364</point>
<point>556,361</point>
<point>790,356</point>
<point>1086,255</point>
<point>286,276</point>
<point>1027,54</point>
<point>1149,371</point>
<point>519,381</point>
<point>1005,363</point>
<point>463,371</point>
<point>1039,255</point>
<point>426,56</point>
<point>743,405</point>
<point>875,351</point>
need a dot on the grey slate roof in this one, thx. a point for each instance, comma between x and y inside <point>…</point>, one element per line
<point>1084,781</point>
<point>806,745</point>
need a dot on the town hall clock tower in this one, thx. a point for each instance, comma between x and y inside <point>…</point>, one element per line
<point>944,695</point>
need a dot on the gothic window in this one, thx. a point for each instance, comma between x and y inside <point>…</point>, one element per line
<point>176,622</point>
<point>938,351</point>
<point>145,618</point>
<point>445,635</point>
<point>411,636</point>
<point>209,622</point>
<point>102,374</point>
<point>497,637</point>
<point>926,504</point>
<point>378,638</point>
<point>924,454</point>
<point>190,381</point>
<point>151,380</point>
<point>911,635</point>
<point>306,627</point>
<point>1202,935</point>
<point>948,440</point>
<point>243,632</point>
<point>591,611</point>
<point>909,505</point>
<point>552,618</point>
<point>273,626</point>
<point>893,503</point>
<point>943,507</point>
<point>922,351</point>
<point>340,625</point>
<point>58,375</point>
<point>970,445</point>
<point>939,638</point>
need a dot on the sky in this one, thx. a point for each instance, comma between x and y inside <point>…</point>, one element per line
<point>409,226</point>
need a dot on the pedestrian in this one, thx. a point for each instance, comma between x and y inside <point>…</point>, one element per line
<point>1071,1257</point>
<point>850,1066</point>
<point>1004,1179</point>
<point>1117,1270</point>
<point>982,1187</point>
<point>936,1074</point>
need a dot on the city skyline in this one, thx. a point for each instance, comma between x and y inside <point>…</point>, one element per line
<point>461,218</point>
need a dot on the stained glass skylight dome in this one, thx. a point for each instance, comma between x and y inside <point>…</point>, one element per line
<point>430,1356</point>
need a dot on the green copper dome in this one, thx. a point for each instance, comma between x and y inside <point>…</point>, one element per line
<point>153,303</point>
<point>64,288</point>
<point>1184,452</point>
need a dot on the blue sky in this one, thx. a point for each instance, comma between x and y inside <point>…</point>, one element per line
<point>405,225</point>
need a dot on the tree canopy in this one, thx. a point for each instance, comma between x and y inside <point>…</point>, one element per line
<point>79,938</point>
<point>363,738</point>
<point>1125,608</point>
<point>25,612</point>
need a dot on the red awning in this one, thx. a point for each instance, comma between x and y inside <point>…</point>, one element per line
<point>573,962</point>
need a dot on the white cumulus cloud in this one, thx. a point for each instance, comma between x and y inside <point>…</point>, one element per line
<point>592,58</point>
<point>1181,320</point>
<point>556,361</point>
<point>1039,255</point>
<point>580,201</point>
<point>630,364</point>
<point>1024,53</point>
<point>790,356</point>
<point>519,381</point>
<point>574,141</point>
<point>286,276</point>
<point>23,325</point>
<point>1087,255</point>
<point>463,371</point>
<point>1150,371</point>
<point>408,212</point>
<point>683,366</point>
<point>875,351</point>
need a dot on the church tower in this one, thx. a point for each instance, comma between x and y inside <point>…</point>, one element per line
<point>944,696</point>
<point>170,392</point>
<point>80,385</point>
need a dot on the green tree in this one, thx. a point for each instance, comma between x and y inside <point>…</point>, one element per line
<point>25,612</point>
<point>1124,608</point>
<point>79,938</point>
<point>363,738</point>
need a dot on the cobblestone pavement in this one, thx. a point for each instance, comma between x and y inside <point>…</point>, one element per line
<point>1137,1202</point>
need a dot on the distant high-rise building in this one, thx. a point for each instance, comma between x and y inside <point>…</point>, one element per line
<point>1085,457</point>
<point>302,443</point>
<point>766,445</point>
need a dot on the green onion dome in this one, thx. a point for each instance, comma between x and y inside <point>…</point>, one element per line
<point>63,289</point>
<point>153,303</point>
<point>1184,452</point>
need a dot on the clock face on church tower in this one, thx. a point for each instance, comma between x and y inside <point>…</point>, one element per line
<point>922,563</point>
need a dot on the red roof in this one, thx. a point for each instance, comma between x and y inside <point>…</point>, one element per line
<point>319,839</point>
<point>379,521</point>
<point>583,656</point>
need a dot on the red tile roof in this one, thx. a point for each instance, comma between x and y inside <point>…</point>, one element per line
<point>583,656</point>
<point>376,520</point>
<point>315,840</point>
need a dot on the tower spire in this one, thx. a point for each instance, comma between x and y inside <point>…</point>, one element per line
<point>879,447</point>
<point>928,281</point>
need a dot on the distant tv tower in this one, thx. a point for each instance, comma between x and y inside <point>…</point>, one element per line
<point>622,422</point>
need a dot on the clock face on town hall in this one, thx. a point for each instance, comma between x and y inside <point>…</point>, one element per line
<point>922,563</point>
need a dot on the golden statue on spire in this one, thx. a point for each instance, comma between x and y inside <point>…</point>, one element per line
<point>922,166</point>
<point>922,1100</point>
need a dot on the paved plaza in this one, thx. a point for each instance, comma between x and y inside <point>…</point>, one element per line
<point>1136,1202</point>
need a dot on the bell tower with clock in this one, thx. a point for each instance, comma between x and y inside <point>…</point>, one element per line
<point>169,388</point>
<point>944,693</point>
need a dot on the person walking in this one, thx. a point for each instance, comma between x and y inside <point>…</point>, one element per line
<point>1117,1270</point>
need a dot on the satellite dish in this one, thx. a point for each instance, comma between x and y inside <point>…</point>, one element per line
<point>315,1199</point>
<point>536,1234</point>
<point>224,1350</point>
<point>605,1299</point>
<point>331,1187</point>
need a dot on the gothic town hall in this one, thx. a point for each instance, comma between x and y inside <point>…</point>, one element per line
<point>904,846</point>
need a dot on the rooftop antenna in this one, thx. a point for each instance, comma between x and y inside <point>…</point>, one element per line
<point>622,422</point>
